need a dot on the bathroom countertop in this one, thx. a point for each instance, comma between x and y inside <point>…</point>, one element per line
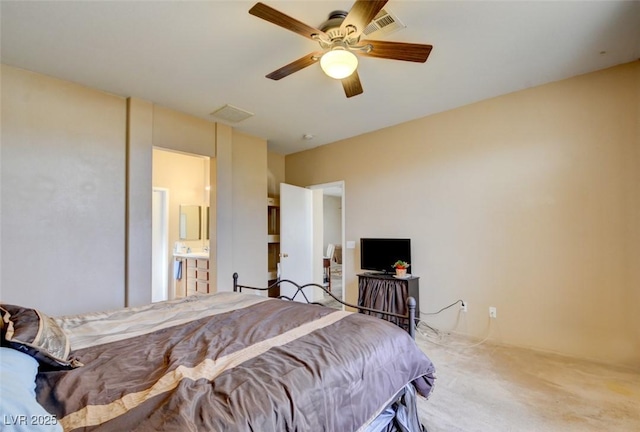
<point>196,255</point>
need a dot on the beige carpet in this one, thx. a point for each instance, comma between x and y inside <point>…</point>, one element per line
<point>496,388</point>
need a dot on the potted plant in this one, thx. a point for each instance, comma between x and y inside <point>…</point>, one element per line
<point>401,268</point>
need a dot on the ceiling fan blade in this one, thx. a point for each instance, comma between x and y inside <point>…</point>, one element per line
<point>351,84</point>
<point>295,66</point>
<point>362,13</point>
<point>397,50</point>
<point>268,13</point>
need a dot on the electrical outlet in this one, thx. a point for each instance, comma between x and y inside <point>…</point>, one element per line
<point>463,306</point>
<point>492,312</point>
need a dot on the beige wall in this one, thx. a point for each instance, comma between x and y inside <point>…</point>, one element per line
<point>138,222</point>
<point>528,202</point>
<point>63,195</point>
<point>186,178</point>
<point>76,193</point>
<point>275,173</point>
<point>332,220</point>
<point>178,131</point>
<point>249,198</point>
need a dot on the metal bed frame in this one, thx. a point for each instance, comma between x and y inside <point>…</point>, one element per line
<point>411,302</point>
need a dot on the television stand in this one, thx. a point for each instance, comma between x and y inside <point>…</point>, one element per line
<point>385,292</point>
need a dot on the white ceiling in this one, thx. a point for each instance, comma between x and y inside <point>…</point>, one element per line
<point>198,56</point>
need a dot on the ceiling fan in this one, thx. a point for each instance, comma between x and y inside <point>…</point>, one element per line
<point>339,38</point>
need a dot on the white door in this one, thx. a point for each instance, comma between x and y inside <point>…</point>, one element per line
<point>299,257</point>
<point>159,245</point>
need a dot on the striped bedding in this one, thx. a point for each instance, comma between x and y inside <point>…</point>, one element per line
<point>231,362</point>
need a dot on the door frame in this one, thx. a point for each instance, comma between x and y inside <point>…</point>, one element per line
<point>162,252</point>
<point>341,184</point>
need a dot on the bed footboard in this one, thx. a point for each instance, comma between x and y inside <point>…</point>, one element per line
<point>411,302</point>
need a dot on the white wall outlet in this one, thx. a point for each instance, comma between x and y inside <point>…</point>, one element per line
<point>463,306</point>
<point>492,312</point>
<point>351,244</point>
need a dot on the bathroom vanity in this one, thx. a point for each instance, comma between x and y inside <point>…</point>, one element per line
<point>191,273</point>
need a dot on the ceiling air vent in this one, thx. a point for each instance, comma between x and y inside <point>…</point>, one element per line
<point>383,24</point>
<point>231,114</point>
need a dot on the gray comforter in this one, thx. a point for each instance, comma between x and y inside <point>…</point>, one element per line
<point>231,362</point>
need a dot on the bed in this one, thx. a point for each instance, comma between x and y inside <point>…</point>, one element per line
<point>231,361</point>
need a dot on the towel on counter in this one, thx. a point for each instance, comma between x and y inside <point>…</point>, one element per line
<point>177,269</point>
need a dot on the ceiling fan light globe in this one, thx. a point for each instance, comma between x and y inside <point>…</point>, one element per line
<point>339,63</point>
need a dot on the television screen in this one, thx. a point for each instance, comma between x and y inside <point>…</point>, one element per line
<point>379,254</point>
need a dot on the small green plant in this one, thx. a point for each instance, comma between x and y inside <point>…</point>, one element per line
<point>401,264</point>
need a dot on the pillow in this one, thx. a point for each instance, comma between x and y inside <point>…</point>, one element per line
<point>34,333</point>
<point>21,410</point>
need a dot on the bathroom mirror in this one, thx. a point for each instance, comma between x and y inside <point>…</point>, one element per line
<point>190,222</point>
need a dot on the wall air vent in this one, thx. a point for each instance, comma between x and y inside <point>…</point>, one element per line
<point>384,23</point>
<point>231,114</point>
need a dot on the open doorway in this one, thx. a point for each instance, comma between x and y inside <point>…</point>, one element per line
<point>185,178</point>
<point>333,239</point>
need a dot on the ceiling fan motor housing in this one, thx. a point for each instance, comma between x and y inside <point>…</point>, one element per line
<point>332,28</point>
<point>335,20</point>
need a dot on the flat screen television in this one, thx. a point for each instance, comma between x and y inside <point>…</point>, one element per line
<point>379,254</point>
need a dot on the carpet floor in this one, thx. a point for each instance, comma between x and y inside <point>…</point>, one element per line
<point>495,388</point>
<point>490,387</point>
